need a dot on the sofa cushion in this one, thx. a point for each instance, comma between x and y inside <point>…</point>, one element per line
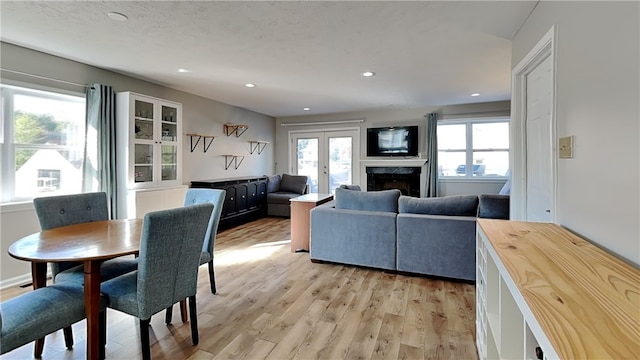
<point>273,183</point>
<point>385,200</point>
<point>493,206</point>
<point>280,197</point>
<point>458,205</point>
<point>293,183</point>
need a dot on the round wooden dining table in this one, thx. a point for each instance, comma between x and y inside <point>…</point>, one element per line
<point>90,243</point>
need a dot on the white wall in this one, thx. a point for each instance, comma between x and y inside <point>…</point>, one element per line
<point>394,117</point>
<point>200,115</point>
<point>597,98</point>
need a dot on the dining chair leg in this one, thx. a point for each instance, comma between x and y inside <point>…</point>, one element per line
<point>212,278</point>
<point>68,337</point>
<point>168,315</point>
<point>38,348</point>
<point>195,339</point>
<point>144,339</point>
<point>183,311</point>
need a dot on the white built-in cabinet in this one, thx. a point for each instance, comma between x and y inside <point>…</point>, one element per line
<point>543,292</point>
<point>149,152</point>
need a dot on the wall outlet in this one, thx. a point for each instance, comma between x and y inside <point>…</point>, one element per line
<point>565,147</point>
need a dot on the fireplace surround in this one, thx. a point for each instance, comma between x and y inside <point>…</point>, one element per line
<point>404,178</point>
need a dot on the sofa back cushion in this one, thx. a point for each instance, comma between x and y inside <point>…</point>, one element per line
<point>293,183</point>
<point>385,200</point>
<point>494,206</point>
<point>458,205</point>
<point>273,183</point>
<point>351,187</point>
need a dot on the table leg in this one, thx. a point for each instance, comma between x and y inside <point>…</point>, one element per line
<point>38,279</point>
<point>92,307</point>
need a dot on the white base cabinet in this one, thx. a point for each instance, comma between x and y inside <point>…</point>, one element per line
<point>544,293</point>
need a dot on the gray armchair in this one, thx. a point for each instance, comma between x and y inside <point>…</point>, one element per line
<point>170,249</point>
<point>281,189</point>
<point>35,314</point>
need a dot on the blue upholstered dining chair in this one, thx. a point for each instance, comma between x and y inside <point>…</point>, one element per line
<point>62,210</point>
<point>170,248</point>
<point>201,196</point>
<point>216,197</point>
<point>35,314</point>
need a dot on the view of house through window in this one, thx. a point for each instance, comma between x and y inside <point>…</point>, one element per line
<point>473,148</point>
<point>42,144</point>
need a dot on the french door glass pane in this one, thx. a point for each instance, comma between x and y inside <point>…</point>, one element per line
<point>308,161</point>
<point>169,162</point>
<point>340,149</point>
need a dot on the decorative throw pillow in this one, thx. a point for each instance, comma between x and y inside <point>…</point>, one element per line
<point>273,183</point>
<point>458,205</point>
<point>293,183</point>
<point>385,200</point>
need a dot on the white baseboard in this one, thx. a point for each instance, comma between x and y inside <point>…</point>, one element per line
<point>15,281</point>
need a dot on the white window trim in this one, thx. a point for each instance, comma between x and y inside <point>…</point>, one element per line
<point>469,148</point>
<point>8,148</point>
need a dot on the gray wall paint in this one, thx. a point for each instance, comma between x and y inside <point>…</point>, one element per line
<point>388,118</point>
<point>597,92</point>
<point>201,115</point>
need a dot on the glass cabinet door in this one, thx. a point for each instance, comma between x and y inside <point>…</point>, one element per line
<point>143,163</point>
<point>169,123</point>
<point>143,115</point>
<point>169,164</point>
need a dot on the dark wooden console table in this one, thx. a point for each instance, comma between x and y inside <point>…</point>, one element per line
<point>246,198</point>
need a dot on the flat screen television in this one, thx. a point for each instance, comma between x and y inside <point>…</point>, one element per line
<point>392,141</point>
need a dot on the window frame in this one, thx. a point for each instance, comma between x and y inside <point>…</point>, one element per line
<point>8,149</point>
<point>469,150</point>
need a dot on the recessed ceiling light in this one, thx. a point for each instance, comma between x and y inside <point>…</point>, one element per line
<point>183,70</point>
<point>250,85</point>
<point>368,74</point>
<point>117,16</point>
<point>306,109</point>
<point>475,94</point>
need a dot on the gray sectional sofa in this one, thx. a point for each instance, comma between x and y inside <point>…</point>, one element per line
<point>385,230</point>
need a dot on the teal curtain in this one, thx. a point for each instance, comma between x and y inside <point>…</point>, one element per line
<point>100,172</point>
<point>431,186</point>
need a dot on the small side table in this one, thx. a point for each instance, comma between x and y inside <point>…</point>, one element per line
<point>300,221</point>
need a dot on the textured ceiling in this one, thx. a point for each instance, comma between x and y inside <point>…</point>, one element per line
<point>299,54</point>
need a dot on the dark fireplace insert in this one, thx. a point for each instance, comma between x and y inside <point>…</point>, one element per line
<point>405,179</point>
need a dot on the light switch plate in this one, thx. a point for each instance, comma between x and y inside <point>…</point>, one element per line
<point>565,147</point>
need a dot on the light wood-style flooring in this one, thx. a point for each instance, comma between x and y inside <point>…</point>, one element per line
<point>274,304</point>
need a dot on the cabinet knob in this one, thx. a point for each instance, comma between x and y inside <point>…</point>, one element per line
<point>243,196</point>
<point>253,194</point>
<point>231,199</point>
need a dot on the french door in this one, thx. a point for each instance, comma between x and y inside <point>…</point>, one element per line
<point>328,158</point>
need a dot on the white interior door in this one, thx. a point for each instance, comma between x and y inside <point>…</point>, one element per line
<point>539,144</point>
<point>327,157</point>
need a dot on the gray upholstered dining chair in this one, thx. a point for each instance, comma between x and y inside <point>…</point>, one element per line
<point>201,196</point>
<point>62,210</point>
<point>35,314</point>
<point>170,248</point>
<point>216,197</point>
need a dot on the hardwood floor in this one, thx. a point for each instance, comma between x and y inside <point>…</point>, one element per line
<point>274,304</point>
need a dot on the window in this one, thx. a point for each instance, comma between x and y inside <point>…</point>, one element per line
<point>473,148</point>
<point>43,138</point>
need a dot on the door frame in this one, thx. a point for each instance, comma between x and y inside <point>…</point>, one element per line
<point>546,47</point>
<point>355,166</point>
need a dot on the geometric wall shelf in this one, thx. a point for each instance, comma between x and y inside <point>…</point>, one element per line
<point>257,145</point>
<point>232,159</point>
<point>205,144</point>
<point>234,129</point>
